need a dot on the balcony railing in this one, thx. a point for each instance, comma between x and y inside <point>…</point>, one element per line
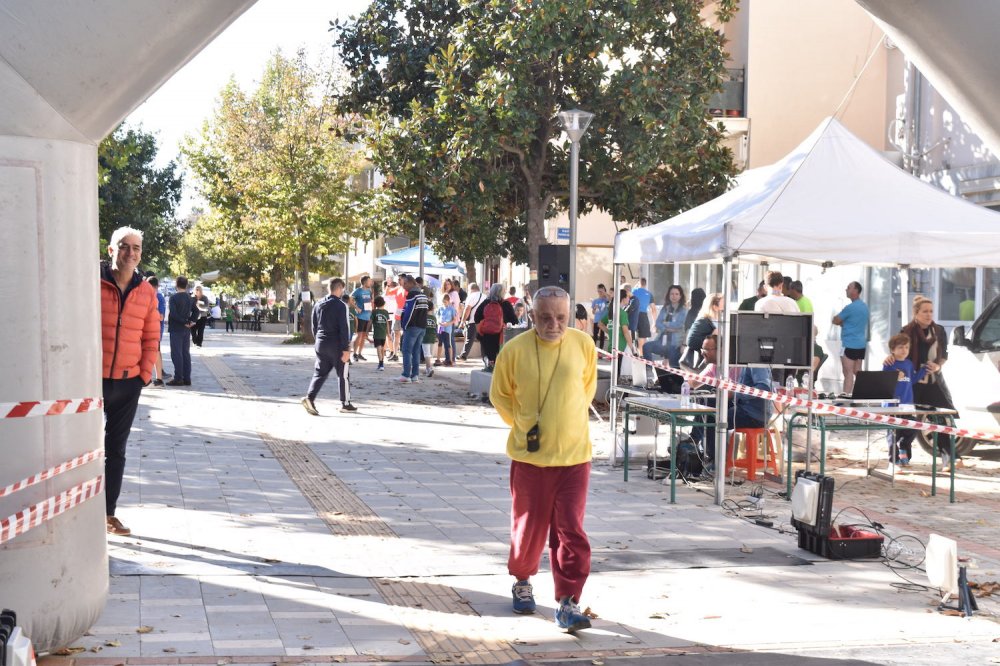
<point>730,102</point>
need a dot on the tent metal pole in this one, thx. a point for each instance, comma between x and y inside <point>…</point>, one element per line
<point>904,294</point>
<point>613,345</point>
<point>722,395</point>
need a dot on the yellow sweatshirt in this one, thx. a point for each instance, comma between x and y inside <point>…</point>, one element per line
<point>564,423</point>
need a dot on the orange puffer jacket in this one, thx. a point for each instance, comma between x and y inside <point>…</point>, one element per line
<point>130,333</point>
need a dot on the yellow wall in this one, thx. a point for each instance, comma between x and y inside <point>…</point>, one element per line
<point>802,57</point>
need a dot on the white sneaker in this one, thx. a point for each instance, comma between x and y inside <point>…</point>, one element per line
<point>404,380</point>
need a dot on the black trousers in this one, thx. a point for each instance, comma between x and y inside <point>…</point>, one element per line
<point>470,338</point>
<point>198,331</point>
<point>121,398</point>
<point>599,336</point>
<point>490,344</point>
<point>325,363</point>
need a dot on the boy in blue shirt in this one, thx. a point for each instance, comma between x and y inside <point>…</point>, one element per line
<point>446,316</point>
<point>901,441</point>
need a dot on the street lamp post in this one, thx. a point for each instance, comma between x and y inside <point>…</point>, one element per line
<point>574,123</point>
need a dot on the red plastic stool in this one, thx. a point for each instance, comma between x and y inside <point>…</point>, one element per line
<point>753,455</point>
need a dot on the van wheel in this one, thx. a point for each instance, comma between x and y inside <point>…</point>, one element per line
<point>963,445</point>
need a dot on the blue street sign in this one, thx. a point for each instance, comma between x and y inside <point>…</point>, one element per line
<point>562,233</point>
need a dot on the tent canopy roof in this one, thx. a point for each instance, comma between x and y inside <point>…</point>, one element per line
<point>833,200</point>
<point>410,258</point>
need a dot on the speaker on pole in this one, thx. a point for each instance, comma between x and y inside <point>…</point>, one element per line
<point>553,266</point>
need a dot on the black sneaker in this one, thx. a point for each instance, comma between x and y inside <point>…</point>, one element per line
<point>361,358</point>
<point>157,382</point>
<point>354,357</point>
<point>348,408</point>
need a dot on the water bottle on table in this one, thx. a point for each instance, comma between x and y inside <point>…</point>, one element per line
<point>685,394</point>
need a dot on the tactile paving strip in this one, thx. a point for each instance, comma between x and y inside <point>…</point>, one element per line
<point>444,643</point>
<point>345,514</point>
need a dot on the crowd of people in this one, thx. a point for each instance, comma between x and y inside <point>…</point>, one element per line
<point>542,385</point>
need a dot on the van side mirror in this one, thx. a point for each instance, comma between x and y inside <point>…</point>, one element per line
<point>958,337</point>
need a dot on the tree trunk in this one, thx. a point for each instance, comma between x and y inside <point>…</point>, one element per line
<point>470,270</point>
<point>280,285</point>
<point>307,334</point>
<point>536,237</point>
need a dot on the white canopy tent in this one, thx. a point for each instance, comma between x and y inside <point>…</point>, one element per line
<point>831,201</point>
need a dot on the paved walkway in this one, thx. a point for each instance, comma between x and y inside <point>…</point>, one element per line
<point>262,534</point>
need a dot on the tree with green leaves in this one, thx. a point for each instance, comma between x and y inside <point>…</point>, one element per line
<point>132,191</point>
<point>495,74</point>
<point>278,176</point>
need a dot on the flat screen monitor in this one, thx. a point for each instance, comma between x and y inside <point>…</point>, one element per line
<point>762,338</point>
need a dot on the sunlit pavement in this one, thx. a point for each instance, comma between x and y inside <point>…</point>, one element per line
<point>262,534</point>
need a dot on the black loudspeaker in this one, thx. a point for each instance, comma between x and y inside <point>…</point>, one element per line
<point>553,266</point>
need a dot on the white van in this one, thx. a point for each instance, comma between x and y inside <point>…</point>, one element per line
<point>972,374</point>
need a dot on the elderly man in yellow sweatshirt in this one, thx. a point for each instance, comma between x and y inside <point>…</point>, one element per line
<point>542,387</point>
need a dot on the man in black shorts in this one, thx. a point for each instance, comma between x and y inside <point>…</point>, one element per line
<point>363,302</point>
<point>381,319</point>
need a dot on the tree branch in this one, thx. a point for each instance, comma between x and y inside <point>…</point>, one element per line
<point>520,157</point>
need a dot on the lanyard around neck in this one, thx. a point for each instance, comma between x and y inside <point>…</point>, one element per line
<point>538,358</point>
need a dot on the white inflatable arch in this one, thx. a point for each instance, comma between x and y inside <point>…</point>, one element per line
<point>69,73</point>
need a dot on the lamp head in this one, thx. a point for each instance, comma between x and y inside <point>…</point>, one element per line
<point>575,123</point>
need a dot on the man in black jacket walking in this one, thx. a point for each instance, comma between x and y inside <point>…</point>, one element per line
<point>332,330</point>
<point>181,318</point>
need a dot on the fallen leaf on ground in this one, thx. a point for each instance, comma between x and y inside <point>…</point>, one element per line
<point>170,649</point>
<point>711,617</point>
<point>952,612</point>
<point>112,644</point>
<point>96,648</point>
<point>632,653</point>
<point>403,641</point>
<point>746,549</point>
<point>144,629</point>
<point>589,613</point>
<point>67,651</point>
<point>659,616</point>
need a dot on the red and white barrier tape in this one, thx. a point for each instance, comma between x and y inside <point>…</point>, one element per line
<point>52,472</point>
<point>29,408</point>
<point>816,405</point>
<point>36,514</point>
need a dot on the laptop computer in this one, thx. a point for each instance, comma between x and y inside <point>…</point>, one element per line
<point>874,386</point>
<point>931,395</point>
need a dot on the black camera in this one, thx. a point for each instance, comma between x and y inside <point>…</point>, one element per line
<point>533,437</point>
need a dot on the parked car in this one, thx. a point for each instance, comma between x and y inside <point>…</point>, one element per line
<point>972,374</point>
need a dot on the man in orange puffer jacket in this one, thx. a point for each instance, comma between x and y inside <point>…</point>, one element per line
<point>130,335</point>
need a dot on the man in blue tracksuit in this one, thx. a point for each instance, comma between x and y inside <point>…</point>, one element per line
<point>332,330</point>
<point>414,323</point>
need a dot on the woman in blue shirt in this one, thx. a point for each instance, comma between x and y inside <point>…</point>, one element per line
<point>669,328</point>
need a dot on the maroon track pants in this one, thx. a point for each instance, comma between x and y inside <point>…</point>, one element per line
<point>550,502</point>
